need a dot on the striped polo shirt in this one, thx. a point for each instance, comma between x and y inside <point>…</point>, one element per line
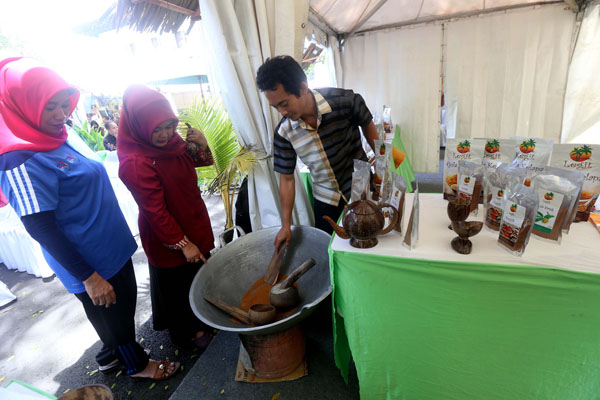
<point>329,150</point>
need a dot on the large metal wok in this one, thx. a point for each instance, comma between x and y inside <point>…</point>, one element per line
<point>230,272</point>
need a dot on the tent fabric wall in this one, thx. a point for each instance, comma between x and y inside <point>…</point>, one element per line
<point>239,36</point>
<point>581,119</point>
<point>401,68</point>
<point>506,73</point>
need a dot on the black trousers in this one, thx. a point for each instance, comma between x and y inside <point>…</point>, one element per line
<point>332,212</point>
<point>171,309</point>
<point>115,325</point>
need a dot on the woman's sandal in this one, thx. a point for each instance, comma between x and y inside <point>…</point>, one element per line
<point>161,372</point>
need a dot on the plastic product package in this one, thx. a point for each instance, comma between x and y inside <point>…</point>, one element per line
<point>382,170</point>
<point>556,196</point>
<point>578,179</point>
<point>361,179</point>
<point>533,154</point>
<point>411,237</point>
<point>470,183</point>
<point>496,182</point>
<point>584,158</point>
<point>518,217</point>
<point>456,150</point>
<point>397,195</point>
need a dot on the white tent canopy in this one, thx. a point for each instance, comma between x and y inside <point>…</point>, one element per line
<point>344,16</point>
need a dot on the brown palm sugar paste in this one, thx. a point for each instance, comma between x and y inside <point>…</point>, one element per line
<point>259,294</point>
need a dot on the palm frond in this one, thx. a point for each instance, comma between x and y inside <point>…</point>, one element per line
<point>239,167</point>
<point>212,119</point>
<point>94,140</point>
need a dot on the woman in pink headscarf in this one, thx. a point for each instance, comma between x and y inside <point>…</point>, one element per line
<point>158,168</point>
<point>58,194</point>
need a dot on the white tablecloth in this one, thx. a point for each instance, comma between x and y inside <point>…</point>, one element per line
<point>579,251</point>
<point>17,249</point>
<point>6,296</point>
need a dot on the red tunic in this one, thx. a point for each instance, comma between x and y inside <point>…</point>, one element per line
<point>170,204</point>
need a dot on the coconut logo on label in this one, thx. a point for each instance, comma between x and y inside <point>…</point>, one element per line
<point>527,146</point>
<point>580,156</point>
<point>492,146</point>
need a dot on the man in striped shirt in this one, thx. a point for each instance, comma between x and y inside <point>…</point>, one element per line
<point>322,128</point>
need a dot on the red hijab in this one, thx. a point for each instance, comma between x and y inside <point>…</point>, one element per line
<point>25,89</point>
<point>143,110</point>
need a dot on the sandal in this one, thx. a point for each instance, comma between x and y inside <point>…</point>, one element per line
<point>114,364</point>
<point>161,372</point>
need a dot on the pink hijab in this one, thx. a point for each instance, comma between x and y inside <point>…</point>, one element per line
<point>143,110</point>
<point>25,89</point>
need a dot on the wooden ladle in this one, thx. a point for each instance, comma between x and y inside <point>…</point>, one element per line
<point>274,265</point>
<point>259,314</point>
<point>285,294</point>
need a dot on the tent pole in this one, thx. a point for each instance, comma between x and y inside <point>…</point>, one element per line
<point>364,19</point>
<point>320,22</point>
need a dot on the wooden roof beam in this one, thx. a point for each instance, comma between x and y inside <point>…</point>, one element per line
<point>195,14</point>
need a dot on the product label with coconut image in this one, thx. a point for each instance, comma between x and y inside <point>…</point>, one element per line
<point>512,221</point>
<point>550,203</point>
<point>466,183</point>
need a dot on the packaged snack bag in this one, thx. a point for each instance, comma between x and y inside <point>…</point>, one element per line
<point>577,178</point>
<point>518,215</point>
<point>555,195</point>
<point>382,169</point>
<point>499,151</point>
<point>387,119</point>
<point>496,183</point>
<point>361,178</point>
<point>533,155</point>
<point>470,182</point>
<point>456,150</point>
<point>584,158</point>
<point>396,199</point>
<point>411,237</point>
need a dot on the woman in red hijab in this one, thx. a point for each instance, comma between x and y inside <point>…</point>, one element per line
<point>175,229</point>
<point>58,194</point>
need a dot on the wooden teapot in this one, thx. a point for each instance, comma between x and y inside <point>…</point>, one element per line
<point>363,220</point>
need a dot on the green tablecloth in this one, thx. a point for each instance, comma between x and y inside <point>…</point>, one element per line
<point>308,186</point>
<point>433,330</point>
<point>405,169</point>
<point>429,328</point>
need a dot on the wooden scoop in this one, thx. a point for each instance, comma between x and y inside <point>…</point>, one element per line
<point>284,294</point>
<point>274,265</point>
<point>259,314</point>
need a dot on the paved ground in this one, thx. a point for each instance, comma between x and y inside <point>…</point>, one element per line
<point>46,340</point>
